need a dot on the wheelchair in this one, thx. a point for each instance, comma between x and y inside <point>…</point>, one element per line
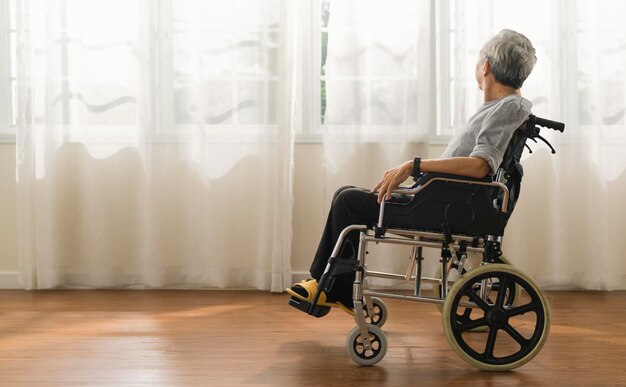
<point>494,316</point>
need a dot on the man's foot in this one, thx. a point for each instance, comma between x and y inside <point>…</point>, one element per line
<point>306,290</point>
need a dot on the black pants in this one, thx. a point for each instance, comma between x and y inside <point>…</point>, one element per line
<point>352,205</point>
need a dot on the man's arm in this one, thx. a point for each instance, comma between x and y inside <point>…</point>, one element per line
<point>464,166</point>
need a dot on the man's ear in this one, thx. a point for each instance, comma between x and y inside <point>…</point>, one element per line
<point>486,68</point>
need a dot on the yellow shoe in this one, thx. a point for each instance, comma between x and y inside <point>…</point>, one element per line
<point>306,290</point>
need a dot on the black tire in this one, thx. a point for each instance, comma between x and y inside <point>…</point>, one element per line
<point>515,334</point>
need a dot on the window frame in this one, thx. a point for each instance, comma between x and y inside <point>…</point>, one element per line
<point>308,112</point>
<point>441,131</point>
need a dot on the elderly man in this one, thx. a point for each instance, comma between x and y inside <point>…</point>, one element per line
<point>505,62</point>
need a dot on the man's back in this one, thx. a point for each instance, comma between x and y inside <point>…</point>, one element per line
<point>488,132</point>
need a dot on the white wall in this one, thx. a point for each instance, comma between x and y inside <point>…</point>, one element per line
<point>8,218</point>
<point>308,215</point>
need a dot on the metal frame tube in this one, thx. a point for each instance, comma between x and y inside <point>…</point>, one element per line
<point>357,288</point>
<point>418,272</point>
<point>343,235</point>
<point>444,276</point>
<point>397,296</point>
<point>357,292</point>
<point>418,240</point>
<point>381,214</point>
<point>411,242</point>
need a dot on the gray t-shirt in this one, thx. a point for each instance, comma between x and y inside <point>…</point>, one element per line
<point>489,130</point>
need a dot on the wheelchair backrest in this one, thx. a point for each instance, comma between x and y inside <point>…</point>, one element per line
<point>510,171</point>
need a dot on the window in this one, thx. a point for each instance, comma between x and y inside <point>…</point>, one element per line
<point>224,73</point>
<point>601,77</point>
<point>191,63</point>
<point>381,70</point>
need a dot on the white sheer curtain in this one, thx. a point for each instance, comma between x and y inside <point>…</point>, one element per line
<point>378,90</point>
<point>155,142</point>
<point>567,230</point>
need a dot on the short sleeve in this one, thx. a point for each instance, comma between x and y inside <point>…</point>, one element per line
<point>497,130</point>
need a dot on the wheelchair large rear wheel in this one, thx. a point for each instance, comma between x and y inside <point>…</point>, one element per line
<point>515,334</point>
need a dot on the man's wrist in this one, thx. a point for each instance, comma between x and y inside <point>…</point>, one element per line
<point>415,170</point>
<point>408,166</point>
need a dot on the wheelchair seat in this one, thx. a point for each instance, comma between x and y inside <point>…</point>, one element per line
<point>464,208</point>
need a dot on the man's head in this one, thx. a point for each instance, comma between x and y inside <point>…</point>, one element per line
<point>509,57</point>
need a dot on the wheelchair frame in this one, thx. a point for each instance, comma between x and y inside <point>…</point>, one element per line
<point>367,344</point>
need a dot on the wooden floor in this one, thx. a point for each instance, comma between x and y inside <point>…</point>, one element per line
<point>226,338</point>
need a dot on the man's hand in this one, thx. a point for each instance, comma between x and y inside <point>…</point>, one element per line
<point>392,179</point>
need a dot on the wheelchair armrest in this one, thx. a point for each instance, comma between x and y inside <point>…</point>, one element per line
<point>431,175</point>
<point>426,179</point>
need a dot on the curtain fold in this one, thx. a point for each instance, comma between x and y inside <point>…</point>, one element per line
<point>158,154</point>
<point>379,93</point>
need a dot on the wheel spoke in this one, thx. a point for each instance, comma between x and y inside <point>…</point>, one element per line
<point>501,291</point>
<point>521,340</point>
<point>471,324</point>
<point>491,343</point>
<point>466,314</point>
<point>516,311</point>
<point>477,300</point>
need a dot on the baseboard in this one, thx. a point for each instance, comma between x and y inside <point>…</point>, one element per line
<point>9,280</point>
<point>298,276</point>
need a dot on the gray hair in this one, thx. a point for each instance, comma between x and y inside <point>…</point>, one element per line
<point>511,57</point>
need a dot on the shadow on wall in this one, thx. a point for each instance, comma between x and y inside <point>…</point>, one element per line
<point>154,219</point>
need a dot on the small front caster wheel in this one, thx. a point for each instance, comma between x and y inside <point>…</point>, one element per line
<point>378,315</point>
<point>367,352</point>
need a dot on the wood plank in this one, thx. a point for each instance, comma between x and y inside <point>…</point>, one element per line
<point>223,338</point>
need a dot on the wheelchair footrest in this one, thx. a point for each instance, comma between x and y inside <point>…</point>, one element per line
<point>318,311</point>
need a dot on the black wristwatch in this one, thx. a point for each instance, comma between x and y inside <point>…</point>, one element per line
<point>415,172</point>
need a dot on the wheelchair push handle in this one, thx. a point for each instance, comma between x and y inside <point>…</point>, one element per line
<point>559,126</point>
<point>533,126</point>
